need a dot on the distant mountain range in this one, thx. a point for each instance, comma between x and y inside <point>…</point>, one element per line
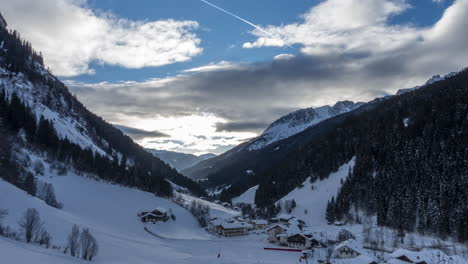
<point>179,161</point>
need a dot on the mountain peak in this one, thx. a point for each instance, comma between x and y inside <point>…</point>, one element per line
<point>298,121</point>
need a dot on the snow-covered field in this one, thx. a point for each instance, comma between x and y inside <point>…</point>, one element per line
<point>110,212</point>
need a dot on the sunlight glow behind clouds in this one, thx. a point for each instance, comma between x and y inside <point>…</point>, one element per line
<point>192,133</point>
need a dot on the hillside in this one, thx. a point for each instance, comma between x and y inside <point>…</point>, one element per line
<point>410,166</point>
<point>240,166</point>
<point>35,102</point>
<point>177,160</point>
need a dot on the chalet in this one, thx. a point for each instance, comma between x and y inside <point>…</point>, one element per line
<point>403,256</point>
<point>259,224</point>
<point>347,249</point>
<point>361,259</point>
<point>282,219</point>
<point>159,214</point>
<point>274,231</point>
<point>302,241</point>
<point>3,23</point>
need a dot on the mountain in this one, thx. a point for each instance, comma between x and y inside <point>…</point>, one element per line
<point>243,163</point>
<point>433,79</point>
<point>298,121</point>
<point>409,155</point>
<point>40,115</point>
<point>177,160</point>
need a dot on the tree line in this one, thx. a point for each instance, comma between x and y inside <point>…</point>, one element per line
<point>411,161</point>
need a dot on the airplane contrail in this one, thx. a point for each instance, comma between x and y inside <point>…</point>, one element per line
<point>245,21</point>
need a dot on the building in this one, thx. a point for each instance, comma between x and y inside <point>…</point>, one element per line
<point>361,259</point>
<point>301,241</point>
<point>259,224</point>
<point>159,214</point>
<point>404,256</point>
<point>347,249</point>
<point>282,219</point>
<point>3,23</point>
<point>234,229</point>
<point>274,231</point>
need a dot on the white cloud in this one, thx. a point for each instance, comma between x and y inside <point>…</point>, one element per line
<point>343,25</point>
<point>284,57</point>
<point>218,66</point>
<point>71,36</point>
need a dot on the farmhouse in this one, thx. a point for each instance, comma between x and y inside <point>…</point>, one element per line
<point>403,256</point>
<point>3,23</point>
<point>159,214</point>
<point>276,230</point>
<point>301,241</point>
<point>259,224</point>
<point>282,219</point>
<point>347,249</point>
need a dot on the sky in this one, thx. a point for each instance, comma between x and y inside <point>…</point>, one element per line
<point>184,75</point>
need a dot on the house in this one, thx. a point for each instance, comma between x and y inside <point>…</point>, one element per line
<point>361,259</point>
<point>3,23</point>
<point>404,256</point>
<point>228,228</point>
<point>259,224</point>
<point>274,231</point>
<point>282,219</point>
<point>234,229</point>
<point>347,249</point>
<point>159,214</point>
<point>301,241</point>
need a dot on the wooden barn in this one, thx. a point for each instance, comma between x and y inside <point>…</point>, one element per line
<point>159,214</point>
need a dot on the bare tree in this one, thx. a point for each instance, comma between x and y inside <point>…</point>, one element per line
<point>73,241</point>
<point>30,224</point>
<point>43,237</point>
<point>89,246</point>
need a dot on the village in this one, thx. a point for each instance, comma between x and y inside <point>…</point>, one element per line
<point>288,233</point>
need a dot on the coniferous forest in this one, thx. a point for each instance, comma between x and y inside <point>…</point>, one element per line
<point>147,172</point>
<point>411,161</point>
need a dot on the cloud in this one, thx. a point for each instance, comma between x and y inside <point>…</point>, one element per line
<point>361,58</point>
<point>72,36</point>
<point>343,26</point>
<point>138,134</point>
<point>240,126</point>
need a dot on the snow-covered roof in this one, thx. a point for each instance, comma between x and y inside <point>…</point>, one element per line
<point>361,259</point>
<point>278,225</point>
<point>350,243</point>
<point>235,225</point>
<point>162,210</point>
<point>419,256</point>
<point>260,222</point>
<point>286,217</point>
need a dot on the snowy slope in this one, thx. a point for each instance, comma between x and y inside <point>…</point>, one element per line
<point>248,197</point>
<point>67,124</point>
<point>110,212</point>
<point>315,199</point>
<point>298,121</point>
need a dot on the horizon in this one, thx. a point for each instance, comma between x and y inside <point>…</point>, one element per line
<point>229,69</point>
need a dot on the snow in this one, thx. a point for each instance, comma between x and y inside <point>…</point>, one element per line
<point>299,121</point>
<point>66,123</point>
<point>248,197</point>
<point>315,199</point>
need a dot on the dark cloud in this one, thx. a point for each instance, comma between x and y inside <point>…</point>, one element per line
<point>240,126</point>
<point>138,134</point>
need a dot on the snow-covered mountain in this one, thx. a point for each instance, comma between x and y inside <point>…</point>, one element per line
<point>179,161</point>
<point>298,121</point>
<point>433,79</point>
